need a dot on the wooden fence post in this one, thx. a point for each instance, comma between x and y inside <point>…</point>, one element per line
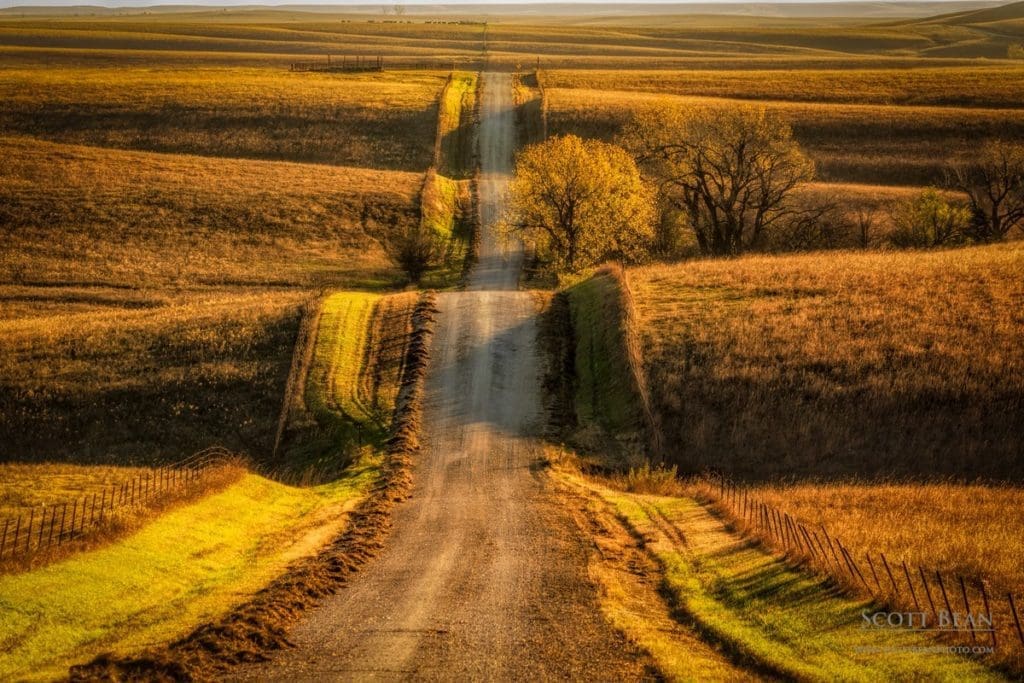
<point>967,607</point>
<point>17,532</point>
<point>1016,620</point>
<point>807,538</point>
<point>945,597</point>
<point>74,515</point>
<point>853,562</point>
<point>928,591</point>
<point>42,525</point>
<point>873,572</point>
<point>888,571</point>
<point>824,555</point>
<point>913,593</point>
<point>53,521</point>
<point>3,541</point>
<point>988,613</point>
<point>63,518</point>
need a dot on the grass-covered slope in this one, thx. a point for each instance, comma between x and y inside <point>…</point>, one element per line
<point>768,618</point>
<point>607,398</point>
<point>187,567</point>
<point>96,375</point>
<point>375,120</point>
<point>73,214</point>
<point>352,380</point>
<point>839,365</point>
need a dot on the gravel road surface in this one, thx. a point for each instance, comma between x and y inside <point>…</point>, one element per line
<point>484,575</point>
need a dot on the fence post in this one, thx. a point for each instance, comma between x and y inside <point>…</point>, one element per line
<point>42,525</point>
<point>92,510</point>
<point>967,606</point>
<point>3,541</point>
<point>807,538</point>
<point>988,612</point>
<point>928,591</point>
<point>74,515</point>
<point>824,555</point>
<point>1016,620</point>
<point>853,563</point>
<point>53,521</point>
<point>913,593</point>
<point>873,572</point>
<point>945,597</point>
<point>17,532</point>
<point>28,536</point>
<point>888,571</point>
<point>63,517</point>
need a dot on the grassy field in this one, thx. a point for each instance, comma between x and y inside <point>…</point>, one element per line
<point>380,120</point>
<point>860,143</point>
<point>975,87</point>
<point>893,364</point>
<point>960,529</point>
<point>77,215</point>
<point>189,566</point>
<point>142,379</point>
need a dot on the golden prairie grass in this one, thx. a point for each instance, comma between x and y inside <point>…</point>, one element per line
<point>972,530</point>
<point>379,120</point>
<point>839,365</point>
<point>988,86</point>
<point>24,486</point>
<point>141,384</point>
<point>865,143</point>
<point>72,214</point>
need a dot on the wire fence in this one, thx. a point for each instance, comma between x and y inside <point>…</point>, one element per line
<point>960,606</point>
<point>50,526</point>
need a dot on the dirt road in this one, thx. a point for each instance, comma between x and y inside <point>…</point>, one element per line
<point>484,574</point>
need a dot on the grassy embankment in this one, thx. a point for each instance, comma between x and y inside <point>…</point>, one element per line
<point>234,541</point>
<point>863,392</point>
<point>447,208</point>
<point>737,611</point>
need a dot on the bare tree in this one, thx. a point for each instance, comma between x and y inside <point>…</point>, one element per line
<point>864,223</point>
<point>994,185</point>
<point>731,171</point>
<point>415,249</point>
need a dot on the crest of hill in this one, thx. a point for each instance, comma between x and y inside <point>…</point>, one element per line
<point>631,12</point>
<point>988,15</point>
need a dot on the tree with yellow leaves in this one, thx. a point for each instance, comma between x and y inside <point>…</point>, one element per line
<point>580,202</point>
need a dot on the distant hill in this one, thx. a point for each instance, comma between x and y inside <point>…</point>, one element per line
<point>907,9</point>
